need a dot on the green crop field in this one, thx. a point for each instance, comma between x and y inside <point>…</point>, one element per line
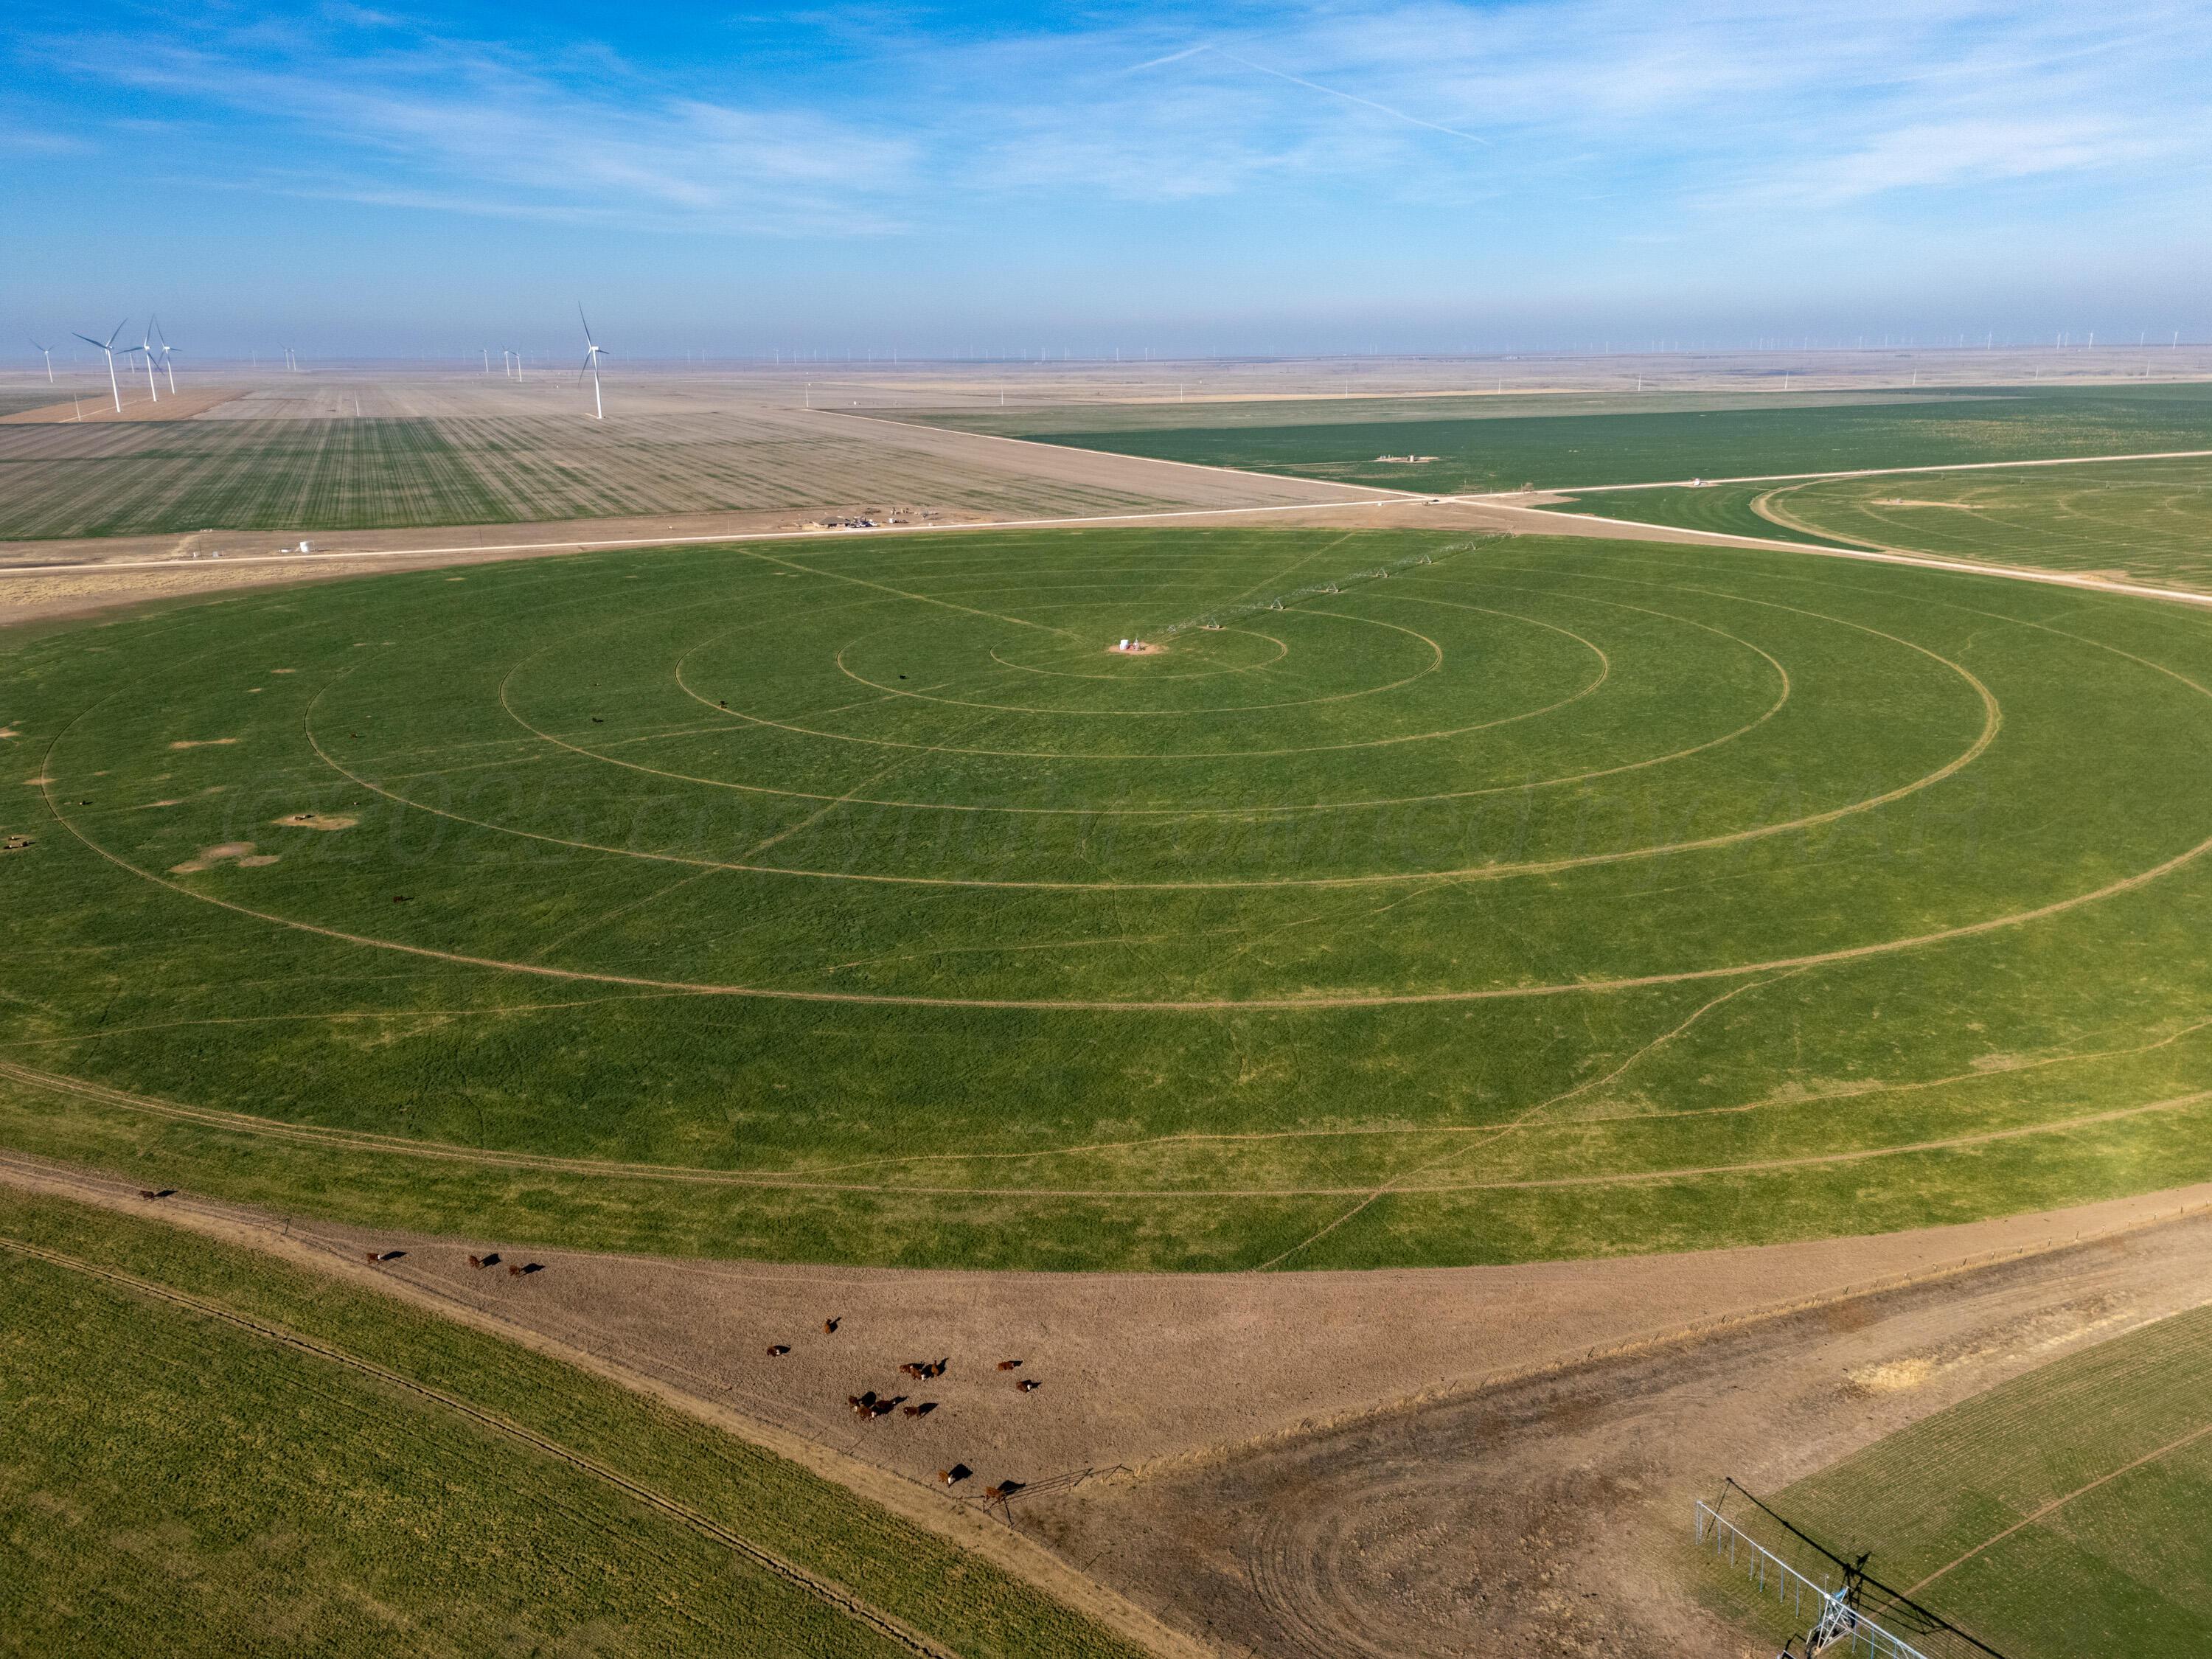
<point>2059,1515</point>
<point>2150,521</point>
<point>1731,509</point>
<point>853,901</point>
<point>204,1451</point>
<point>1479,452</point>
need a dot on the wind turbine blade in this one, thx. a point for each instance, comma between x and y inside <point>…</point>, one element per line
<point>585,320</point>
<point>89,341</point>
<point>120,327</point>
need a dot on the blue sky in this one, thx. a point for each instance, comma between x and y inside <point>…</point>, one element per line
<point>1007,178</point>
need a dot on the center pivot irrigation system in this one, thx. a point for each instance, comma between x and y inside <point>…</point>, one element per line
<point>1210,620</point>
<point>1840,1608</point>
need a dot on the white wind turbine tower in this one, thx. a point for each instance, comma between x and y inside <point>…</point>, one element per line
<point>593,353</point>
<point>146,344</point>
<point>108,346</point>
<point>49,357</point>
<point>165,349</point>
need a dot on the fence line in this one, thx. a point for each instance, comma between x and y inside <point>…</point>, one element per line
<point>1767,1571</point>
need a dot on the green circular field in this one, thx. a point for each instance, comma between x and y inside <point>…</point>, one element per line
<point>857,900</point>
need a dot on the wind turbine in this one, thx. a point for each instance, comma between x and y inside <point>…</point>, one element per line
<point>166,348</point>
<point>592,355</point>
<point>146,344</point>
<point>108,346</point>
<point>49,357</point>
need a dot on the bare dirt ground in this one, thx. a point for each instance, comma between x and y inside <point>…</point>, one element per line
<point>1481,1460</point>
<point>1551,1517</point>
<point>182,405</point>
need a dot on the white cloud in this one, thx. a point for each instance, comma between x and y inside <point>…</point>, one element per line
<point>467,127</point>
<point>1709,105</point>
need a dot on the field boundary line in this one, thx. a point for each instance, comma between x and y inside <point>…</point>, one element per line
<point>1682,535</point>
<point>1020,1553</point>
<point>1874,472</point>
<point>453,1152</point>
<point>826,1590</point>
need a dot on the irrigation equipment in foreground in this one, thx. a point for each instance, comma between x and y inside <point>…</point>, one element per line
<point>1842,1611</point>
<point>1211,619</point>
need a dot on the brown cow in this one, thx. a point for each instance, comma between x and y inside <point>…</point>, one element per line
<point>830,1325</point>
<point>954,1475</point>
<point>1010,1364</point>
<point>777,1350</point>
<point>1002,1493</point>
<point>923,1410</point>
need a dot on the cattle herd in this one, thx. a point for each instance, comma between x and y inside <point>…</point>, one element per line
<point>866,1406</point>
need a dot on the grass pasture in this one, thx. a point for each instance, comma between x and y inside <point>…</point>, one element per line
<point>1476,451</point>
<point>854,901</point>
<point>2058,1514</point>
<point>203,1451</point>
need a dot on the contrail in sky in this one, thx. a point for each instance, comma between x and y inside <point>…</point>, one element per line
<point>1348,97</point>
